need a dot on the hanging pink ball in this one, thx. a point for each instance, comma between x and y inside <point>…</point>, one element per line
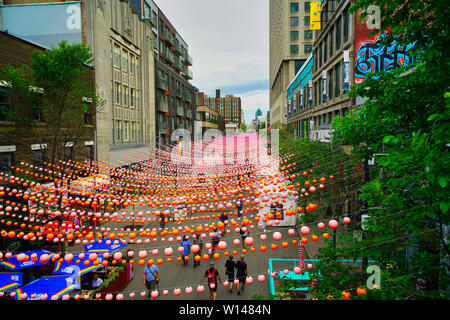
<point>143,293</point>
<point>155,252</point>
<point>212,285</point>
<point>248,241</point>
<point>285,271</point>
<point>297,270</point>
<point>119,296</point>
<point>333,224</point>
<point>208,245</point>
<point>312,189</point>
<point>222,245</point>
<point>305,230</point>
<point>188,290</point>
<point>273,274</point>
<point>130,254</point>
<point>168,251</point>
<point>346,220</point>
<point>68,257</point>
<point>249,280</point>
<point>154,294</point>
<point>263,237</point>
<point>261,278</point>
<point>321,225</point>
<point>142,254</point>
<point>21,257</point>
<point>177,291</point>
<point>44,296</point>
<point>291,232</point>
<point>132,295</point>
<point>200,289</point>
<point>109,296</point>
<point>277,236</point>
<point>118,255</point>
<point>236,242</point>
<point>195,248</point>
<point>309,266</point>
<point>226,283</point>
<point>236,281</point>
<point>106,255</point>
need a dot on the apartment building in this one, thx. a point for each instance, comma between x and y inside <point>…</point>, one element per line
<point>228,106</point>
<point>175,95</point>
<point>291,42</point>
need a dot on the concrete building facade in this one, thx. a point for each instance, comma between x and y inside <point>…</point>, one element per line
<point>229,107</point>
<point>291,42</point>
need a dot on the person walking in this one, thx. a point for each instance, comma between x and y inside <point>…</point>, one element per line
<point>151,278</point>
<point>230,265</point>
<point>241,273</point>
<point>215,241</point>
<point>244,234</point>
<point>186,244</point>
<point>239,206</point>
<point>212,275</point>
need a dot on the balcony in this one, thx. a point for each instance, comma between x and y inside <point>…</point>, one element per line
<point>170,56</point>
<point>189,113</point>
<point>163,103</point>
<point>188,59</point>
<point>162,84</point>
<point>189,74</point>
<point>188,96</point>
<point>180,111</point>
<point>178,48</point>
<point>179,92</point>
<point>170,38</point>
<point>178,64</point>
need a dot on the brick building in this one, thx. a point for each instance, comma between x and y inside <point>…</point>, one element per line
<point>18,143</point>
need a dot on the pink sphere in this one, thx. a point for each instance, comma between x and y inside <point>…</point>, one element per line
<point>346,220</point>
<point>248,241</point>
<point>119,296</point>
<point>177,291</point>
<point>333,224</point>
<point>154,294</point>
<point>168,251</point>
<point>236,241</point>
<point>200,289</point>
<point>297,270</point>
<point>118,255</point>
<point>277,236</point>
<point>109,296</point>
<point>309,266</point>
<point>321,225</point>
<point>305,230</point>
<point>261,278</point>
<point>195,248</point>
<point>222,245</point>
<point>291,232</point>
<point>263,237</point>
<point>249,280</point>
<point>132,295</point>
<point>189,290</point>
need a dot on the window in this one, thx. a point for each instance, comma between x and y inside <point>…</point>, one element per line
<point>38,158</point>
<point>307,23</point>
<point>5,104</point>
<point>161,26</point>
<point>338,33</point>
<point>116,56</point>
<point>294,35</point>
<point>132,64</point>
<point>325,49</point>
<point>118,93</point>
<point>294,7</point>
<point>294,21</point>
<point>161,46</point>
<point>87,114</point>
<point>308,48</point>
<point>68,153</point>
<point>320,55</point>
<point>133,131</point>
<point>125,96</point>
<point>330,84</point>
<point>331,42</point>
<point>346,25</point>
<point>294,49</point>
<point>125,132</point>
<point>6,161</point>
<point>338,79</point>
<point>307,6</point>
<point>118,130</point>
<point>125,60</point>
<point>315,93</point>
<point>308,34</point>
<point>89,153</point>
<point>132,97</point>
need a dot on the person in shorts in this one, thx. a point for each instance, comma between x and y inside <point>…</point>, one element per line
<point>244,234</point>
<point>212,275</point>
<point>230,265</point>
<point>241,274</point>
<point>151,278</point>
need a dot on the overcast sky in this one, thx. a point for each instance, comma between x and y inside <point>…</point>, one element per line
<point>229,44</point>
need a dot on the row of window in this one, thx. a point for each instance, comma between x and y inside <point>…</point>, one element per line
<point>308,35</point>
<point>294,7</point>
<point>338,34</point>
<point>128,131</point>
<point>125,60</point>
<point>307,48</point>
<point>294,21</point>
<point>126,96</point>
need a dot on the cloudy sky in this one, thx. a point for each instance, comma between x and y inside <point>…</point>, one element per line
<point>229,43</point>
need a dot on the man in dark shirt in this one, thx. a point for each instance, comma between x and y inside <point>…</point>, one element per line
<point>242,273</point>
<point>212,275</point>
<point>230,265</point>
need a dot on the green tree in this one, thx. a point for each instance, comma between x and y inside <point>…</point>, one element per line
<point>406,119</point>
<point>56,86</point>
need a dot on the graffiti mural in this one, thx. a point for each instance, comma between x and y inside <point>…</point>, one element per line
<point>373,56</point>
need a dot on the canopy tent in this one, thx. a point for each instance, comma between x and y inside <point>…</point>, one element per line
<point>77,266</point>
<point>10,281</point>
<point>50,285</point>
<point>14,264</point>
<point>102,246</point>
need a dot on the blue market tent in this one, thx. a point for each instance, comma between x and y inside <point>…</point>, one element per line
<point>10,281</point>
<point>102,246</point>
<point>51,285</point>
<point>14,264</point>
<point>64,267</point>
